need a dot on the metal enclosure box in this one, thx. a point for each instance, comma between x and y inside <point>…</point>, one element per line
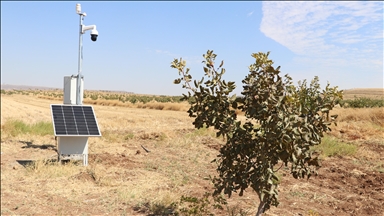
<point>70,85</point>
<point>72,125</point>
<point>73,148</point>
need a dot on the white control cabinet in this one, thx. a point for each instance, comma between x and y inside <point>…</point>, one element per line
<point>70,85</point>
<point>73,148</point>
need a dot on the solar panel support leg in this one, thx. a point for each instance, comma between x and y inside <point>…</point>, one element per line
<point>85,159</point>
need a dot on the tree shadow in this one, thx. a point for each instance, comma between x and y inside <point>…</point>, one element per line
<point>156,209</point>
<point>43,146</point>
<point>26,163</point>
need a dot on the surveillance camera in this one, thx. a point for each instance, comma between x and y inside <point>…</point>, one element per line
<point>94,34</point>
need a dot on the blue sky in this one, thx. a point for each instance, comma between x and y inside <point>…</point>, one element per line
<point>341,42</point>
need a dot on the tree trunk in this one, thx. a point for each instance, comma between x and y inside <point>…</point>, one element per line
<point>260,210</point>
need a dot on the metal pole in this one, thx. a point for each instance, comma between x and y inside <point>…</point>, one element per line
<point>79,76</point>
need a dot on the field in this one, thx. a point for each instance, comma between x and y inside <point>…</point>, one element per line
<point>374,93</point>
<point>123,179</point>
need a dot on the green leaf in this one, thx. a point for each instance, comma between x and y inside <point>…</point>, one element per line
<point>177,81</point>
<point>206,70</point>
<point>234,105</point>
<point>195,82</point>
<point>294,160</point>
<point>334,116</point>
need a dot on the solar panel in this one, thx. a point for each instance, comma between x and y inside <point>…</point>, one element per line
<point>74,120</point>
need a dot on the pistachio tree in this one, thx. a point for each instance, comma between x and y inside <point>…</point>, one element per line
<point>283,122</point>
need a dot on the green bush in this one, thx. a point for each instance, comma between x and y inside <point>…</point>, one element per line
<point>94,97</point>
<point>330,147</point>
<point>18,127</point>
<point>41,128</point>
<point>362,102</point>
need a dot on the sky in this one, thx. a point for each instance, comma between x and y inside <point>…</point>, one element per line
<point>340,42</point>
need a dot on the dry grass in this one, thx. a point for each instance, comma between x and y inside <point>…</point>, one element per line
<point>56,95</point>
<point>120,170</point>
<point>151,105</point>
<point>369,115</point>
<point>359,124</point>
<point>122,179</point>
<point>373,93</point>
<point>106,98</point>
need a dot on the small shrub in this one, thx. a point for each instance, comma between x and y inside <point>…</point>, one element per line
<point>94,97</point>
<point>330,147</point>
<point>362,102</point>
<point>17,127</point>
<point>201,206</point>
<point>42,128</point>
<point>129,136</point>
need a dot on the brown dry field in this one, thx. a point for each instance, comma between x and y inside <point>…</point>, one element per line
<point>122,179</point>
<point>374,93</point>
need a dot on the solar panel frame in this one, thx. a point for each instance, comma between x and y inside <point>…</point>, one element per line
<point>74,120</point>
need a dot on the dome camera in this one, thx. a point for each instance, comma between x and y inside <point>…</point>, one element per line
<point>94,34</point>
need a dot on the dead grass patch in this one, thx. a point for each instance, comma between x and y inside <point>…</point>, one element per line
<point>359,124</point>
<point>150,105</point>
<point>373,93</point>
<point>48,169</point>
<point>372,115</point>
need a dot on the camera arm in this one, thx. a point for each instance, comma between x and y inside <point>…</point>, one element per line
<point>85,28</point>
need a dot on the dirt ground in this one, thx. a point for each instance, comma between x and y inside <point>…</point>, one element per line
<point>122,177</point>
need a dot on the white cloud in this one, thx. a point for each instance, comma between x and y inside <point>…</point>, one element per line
<point>250,14</point>
<point>164,52</point>
<point>332,29</point>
